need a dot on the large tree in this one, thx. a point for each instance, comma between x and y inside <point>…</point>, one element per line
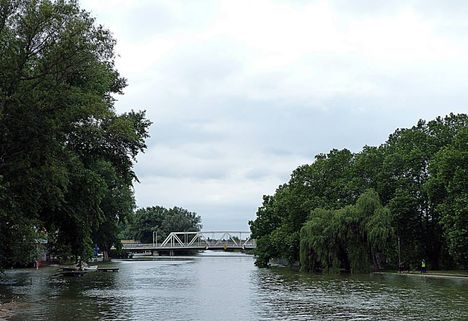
<point>419,176</point>
<point>65,155</point>
<point>160,220</point>
<point>279,220</point>
<point>352,238</point>
<point>448,191</point>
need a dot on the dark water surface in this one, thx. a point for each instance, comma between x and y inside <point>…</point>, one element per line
<point>212,287</point>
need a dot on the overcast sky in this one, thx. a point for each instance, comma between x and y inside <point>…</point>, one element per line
<point>243,92</point>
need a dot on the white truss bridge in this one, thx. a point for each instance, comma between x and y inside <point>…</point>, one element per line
<point>211,240</point>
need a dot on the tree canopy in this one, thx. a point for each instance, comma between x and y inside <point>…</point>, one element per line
<point>417,182</point>
<point>157,219</point>
<point>66,156</point>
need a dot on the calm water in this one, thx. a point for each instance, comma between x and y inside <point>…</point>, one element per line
<point>209,287</point>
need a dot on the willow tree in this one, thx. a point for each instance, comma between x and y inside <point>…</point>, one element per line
<point>322,184</point>
<point>352,238</point>
<point>321,243</point>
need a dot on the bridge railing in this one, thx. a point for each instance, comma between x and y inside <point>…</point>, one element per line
<point>200,240</point>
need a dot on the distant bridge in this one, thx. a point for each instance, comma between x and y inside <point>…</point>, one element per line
<point>188,241</point>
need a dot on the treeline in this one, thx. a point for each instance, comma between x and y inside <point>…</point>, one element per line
<point>66,156</point>
<point>158,221</point>
<point>401,202</point>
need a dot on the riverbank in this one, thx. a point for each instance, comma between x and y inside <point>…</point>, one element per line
<point>462,275</point>
<point>7,310</point>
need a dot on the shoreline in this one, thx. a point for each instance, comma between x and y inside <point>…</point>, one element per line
<point>7,310</point>
<point>441,275</point>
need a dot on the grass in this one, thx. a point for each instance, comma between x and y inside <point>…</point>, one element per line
<point>434,273</point>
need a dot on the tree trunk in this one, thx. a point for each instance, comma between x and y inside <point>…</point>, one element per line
<point>105,256</point>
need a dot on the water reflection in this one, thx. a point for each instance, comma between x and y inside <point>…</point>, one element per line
<point>376,297</point>
<point>213,287</point>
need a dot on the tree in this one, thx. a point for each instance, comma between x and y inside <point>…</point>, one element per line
<point>318,185</point>
<point>146,221</point>
<point>351,238</point>
<point>408,157</point>
<point>448,188</point>
<point>64,152</point>
<point>157,219</point>
<point>417,176</point>
<point>181,220</point>
<point>117,205</point>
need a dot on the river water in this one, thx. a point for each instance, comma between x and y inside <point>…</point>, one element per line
<point>215,286</point>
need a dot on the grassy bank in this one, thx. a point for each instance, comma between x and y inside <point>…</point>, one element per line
<point>452,274</point>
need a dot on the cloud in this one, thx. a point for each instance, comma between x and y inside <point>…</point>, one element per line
<point>243,92</point>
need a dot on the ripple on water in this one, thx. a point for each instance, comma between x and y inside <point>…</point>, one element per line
<point>229,288</point>
<point>357,298</point>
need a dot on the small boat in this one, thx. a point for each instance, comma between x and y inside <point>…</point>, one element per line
<point>77,270</point>
<point>108,269</point>
<point>72,268</point>
<point>73,273</point>
<point>91,268</point>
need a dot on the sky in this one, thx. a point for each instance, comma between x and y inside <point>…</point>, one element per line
<point>241,93</point>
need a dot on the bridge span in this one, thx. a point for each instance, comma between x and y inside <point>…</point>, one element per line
<point>193,241</point>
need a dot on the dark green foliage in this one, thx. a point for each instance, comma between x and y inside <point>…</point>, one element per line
<point>349,238</point>
<point>66,157</point>
<point>163,221</point>
<point>311,186</point>
<point>448,190</point>
<point>117,205</point>
<point>419,175</point>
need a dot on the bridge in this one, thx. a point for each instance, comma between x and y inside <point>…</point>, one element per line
<point>196,241</point>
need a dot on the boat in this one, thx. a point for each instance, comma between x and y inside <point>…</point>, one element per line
<point>77,270</point>
<point>73,273</point>
<point>108,269</point>
<point>74,268</point>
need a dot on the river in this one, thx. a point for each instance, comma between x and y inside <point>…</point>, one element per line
<point>216,286</point>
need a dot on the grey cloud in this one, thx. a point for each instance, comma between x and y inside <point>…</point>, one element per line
<point>145,19</point>
<point>230,127</point>
<point>178,173</point>
<point>259,173</point>
<point>178,132</point>
<point>179,163</point>
<point>204,60</point>
<point>234,217</point>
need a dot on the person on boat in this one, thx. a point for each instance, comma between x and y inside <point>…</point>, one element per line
<point>82,266</point>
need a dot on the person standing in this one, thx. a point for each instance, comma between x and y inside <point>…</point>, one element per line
<point>423,266</point>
